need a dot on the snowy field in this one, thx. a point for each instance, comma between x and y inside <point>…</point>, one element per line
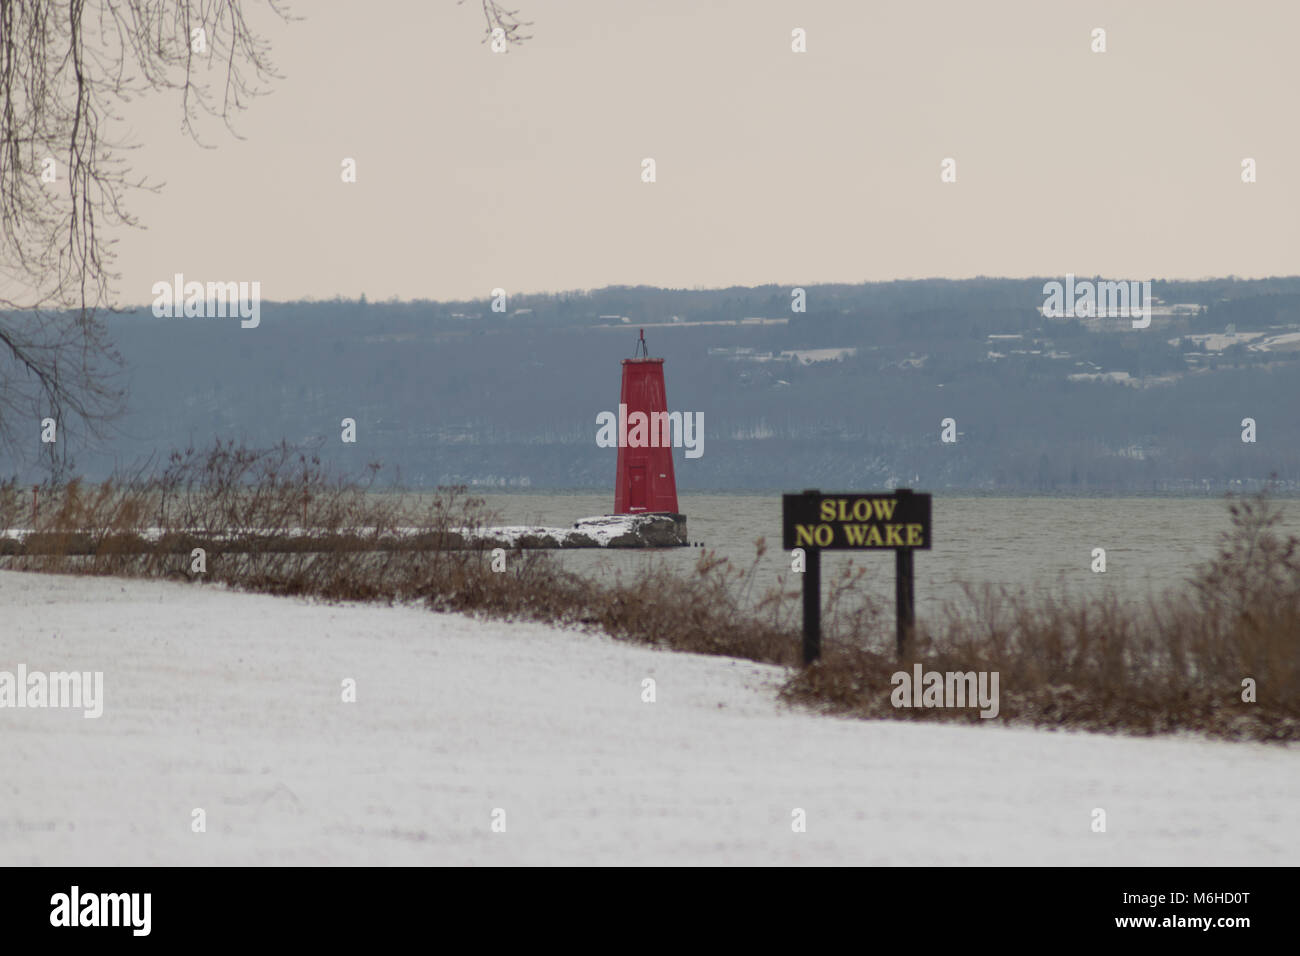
<point>232,703</point>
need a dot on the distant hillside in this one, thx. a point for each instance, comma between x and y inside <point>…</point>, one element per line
<point>850,393</point>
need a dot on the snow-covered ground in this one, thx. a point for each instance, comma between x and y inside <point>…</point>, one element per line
<point>232,703</point>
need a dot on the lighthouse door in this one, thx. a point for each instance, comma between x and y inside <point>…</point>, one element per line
<point>636,488</point>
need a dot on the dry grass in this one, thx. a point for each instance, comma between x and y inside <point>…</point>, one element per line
<point>1176,664</point>
<point>273,521</point>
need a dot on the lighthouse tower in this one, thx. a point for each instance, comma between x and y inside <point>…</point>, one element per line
<point>645,481</point>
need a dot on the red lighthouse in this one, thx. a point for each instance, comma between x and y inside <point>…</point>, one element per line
<point>645,481</point>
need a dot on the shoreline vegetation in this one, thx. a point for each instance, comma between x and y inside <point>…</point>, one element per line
<point>1219,655</point>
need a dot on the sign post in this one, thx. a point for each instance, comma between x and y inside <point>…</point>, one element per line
<point>856,521</point>
<point>904,593</point>
<point>812,606</point>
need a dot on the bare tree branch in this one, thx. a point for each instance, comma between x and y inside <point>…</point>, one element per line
<point>65,67</point>
<point>507,21</point>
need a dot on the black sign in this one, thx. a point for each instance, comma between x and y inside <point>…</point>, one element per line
<point>853,521</point>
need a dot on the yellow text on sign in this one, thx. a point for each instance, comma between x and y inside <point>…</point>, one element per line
<point>859,509</point>
<point>814,536</point>
<point>861,535</point>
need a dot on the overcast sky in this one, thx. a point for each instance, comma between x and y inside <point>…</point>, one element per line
<point>523,170</point>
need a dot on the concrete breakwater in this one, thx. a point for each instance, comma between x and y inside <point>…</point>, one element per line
<point>606,531</point>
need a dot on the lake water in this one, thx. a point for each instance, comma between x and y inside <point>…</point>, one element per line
<point>1038,544</point>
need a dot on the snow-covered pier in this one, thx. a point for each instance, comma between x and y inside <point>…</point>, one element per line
<point>606,531</point>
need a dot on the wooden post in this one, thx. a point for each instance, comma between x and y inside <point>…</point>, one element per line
<point>812,600</point>
<point>812,605</point>
<point>35,509</point>
<point>904,590</point>
<point>904,593</point>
